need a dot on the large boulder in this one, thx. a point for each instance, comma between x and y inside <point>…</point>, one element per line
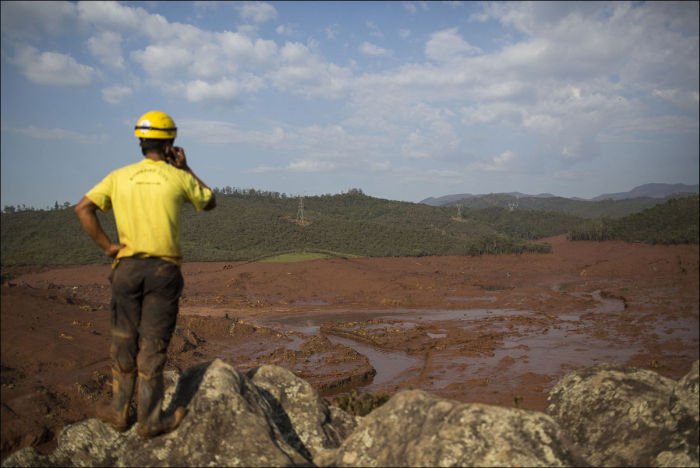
<point>629,417</point>
<point>302,416</point>
<point>233,420</point>
<point>416,429</point>
<point>602,416</point>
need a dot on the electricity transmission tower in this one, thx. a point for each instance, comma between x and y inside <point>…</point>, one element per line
<point>300,212</point>
<point>513,205</point>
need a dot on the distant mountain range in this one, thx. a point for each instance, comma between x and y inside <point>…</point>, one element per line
<point>643,191</point>
<point>652,191</point>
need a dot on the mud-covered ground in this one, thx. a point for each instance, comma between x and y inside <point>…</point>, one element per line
<point>493,329</point>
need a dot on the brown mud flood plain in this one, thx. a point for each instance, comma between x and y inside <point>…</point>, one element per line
<point>492,329</point>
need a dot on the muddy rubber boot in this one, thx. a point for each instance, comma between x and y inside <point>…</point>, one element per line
<point>152,421</point>
<point>116,413</point>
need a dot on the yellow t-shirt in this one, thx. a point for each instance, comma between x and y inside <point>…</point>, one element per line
<point>147,198</point>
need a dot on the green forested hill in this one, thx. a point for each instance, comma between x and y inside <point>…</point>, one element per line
<point>673,222</point>
<point>49,237</point>
<point>249,224</point>
<point>582,208</point>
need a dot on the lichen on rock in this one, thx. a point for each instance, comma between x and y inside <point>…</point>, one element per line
<point>625,416</point>
<point>601,416</point>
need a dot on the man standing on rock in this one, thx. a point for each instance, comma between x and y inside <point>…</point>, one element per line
<point>147,198</point>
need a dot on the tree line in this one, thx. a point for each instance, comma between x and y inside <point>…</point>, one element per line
<point>673,222</point>
<point>249,224</point>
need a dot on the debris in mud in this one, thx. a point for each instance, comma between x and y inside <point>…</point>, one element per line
<point>329,367</point>
<point>360,404</point>
<point>391,334</point>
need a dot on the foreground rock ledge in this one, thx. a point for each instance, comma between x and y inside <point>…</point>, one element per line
<point>603,416</point>
<point>629,417</point>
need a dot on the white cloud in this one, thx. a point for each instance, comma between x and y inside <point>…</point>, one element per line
<point>223,90</point>
<point>303,72</point>
<point>504,158</point>
<point>498,163</point>
<point>204,55</point>
<point>29,19</point>
<point>435,138</point>
<point>331,31</point>
<point>543,123</point>
<point>117,17</point>
<point>53,68</point>
<point>218,132</point>
<point>258,12</point>
<point>116,94</point>
<point>210,58</point>
<point>240,48</point>
<point>623,129</point>
<point>203,7</point>
<point>574,76</point>
<point>374,30</point>
<point>447,44</point>
<point>578,41</point>
<point>163,59</point>
<point>373,50</point>
<point>493,112</point>
<point>412,7</point>
<point>686,99</point>
<point>330,148</point>
<point>311,165</point>
<point>295,52</point>
<point>286,30</point>
<point>112,15</point>
<point>106,46</point>
<point>564,83</point>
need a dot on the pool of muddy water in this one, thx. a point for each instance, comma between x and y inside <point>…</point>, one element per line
<point>526,341</point>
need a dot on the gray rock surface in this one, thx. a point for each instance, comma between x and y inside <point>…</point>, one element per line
<point>231,421</point>
<point>300,413</point>
<point>416,429</point>
<point>629,417</point>
<point>600,416</point>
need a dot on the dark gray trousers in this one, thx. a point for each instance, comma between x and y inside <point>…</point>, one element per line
<point>145,299</point>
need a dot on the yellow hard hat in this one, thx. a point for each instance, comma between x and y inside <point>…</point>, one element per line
<point>155,125</point>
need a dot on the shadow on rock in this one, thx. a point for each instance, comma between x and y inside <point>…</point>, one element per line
<point>230,422</point>
<point>601,416</point>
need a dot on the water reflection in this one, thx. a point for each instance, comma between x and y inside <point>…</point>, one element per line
<point>529,342</point>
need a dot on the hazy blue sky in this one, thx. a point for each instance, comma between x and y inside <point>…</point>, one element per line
<point>404,100</point>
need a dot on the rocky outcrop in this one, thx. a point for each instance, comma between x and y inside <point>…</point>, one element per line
<point>629,417</point>
<point>602,416</point>
<point>266,418</point>
<point>417,429</point>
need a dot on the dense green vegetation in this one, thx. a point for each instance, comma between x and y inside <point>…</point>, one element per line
<point>582,208</point>
<point>249,225</point>
<point>252,225</point>
<point>673,222</point>
<point>55,237</point>
<point>523,224</point>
